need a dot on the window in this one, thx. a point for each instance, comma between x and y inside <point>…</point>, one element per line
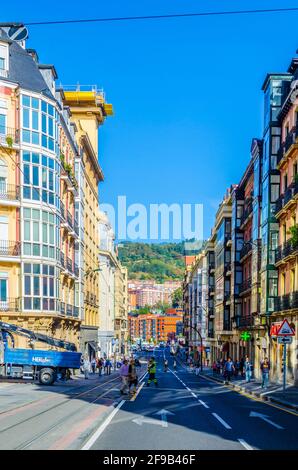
<point>292,281</point>
<point>39,287</point>
<point>40,178</point>
<point>39,233</point>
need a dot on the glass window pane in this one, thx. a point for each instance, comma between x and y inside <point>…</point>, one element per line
<point>35,103</point>
<point>36,268</point>
<point>27,268</point>
<point>35,120</point>
<point>35,138</point>
<point>35,214</point>
<point>35,176</point>
<point>36,249</point>
<point>27,249</point>
<point>44,106</point>
<point>27,236</point>
<point>26,100</point>
<point>26,174</point>
<point>45,286</point>
<point>44,177</point>
<point>27,285</point>
<point>44,233</point>
<point>51,234</point>
<point>26,136</point>
<point>35,231</point>
<point>27,213</point>
<point>26,118</point>
<point>45,251</point>
<point>36,303</point>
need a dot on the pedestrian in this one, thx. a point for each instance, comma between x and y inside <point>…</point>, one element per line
<point>165,365</point>
<point>174,364</point>
<point>132,376</point>
<point>86,367</point>
<point>197,367</point>
<point>152,372</point>
<point>124,373</point>
<point>237,367</point>
<point>214,368</point>
<point>218,366</point>
<point>228,370</point>
<point>99,366</point>
<point>265,368</point>
<point>247,369</point>
<point>93,365</point>
<point>108,366</point>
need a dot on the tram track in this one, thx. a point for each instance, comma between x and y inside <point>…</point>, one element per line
<point>57,405</point>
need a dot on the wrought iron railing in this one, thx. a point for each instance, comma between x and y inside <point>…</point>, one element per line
<point>10,248</point>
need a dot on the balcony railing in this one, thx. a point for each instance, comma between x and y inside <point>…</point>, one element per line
<point>62,209</point>
<point>286,302</point>
<point>9,192</point>
<point>76,227</point>
<point>246,285</point>
<point>76,270</point>
<point>62,308</point>
<point>247,210</point>
<point>69,264</point>
<point>9,136</point>
<point>69,219</point>
<point>62,259</point>
<point>69,310</point>
<point>285,250</point>
<point>246,249</point>
<point>244,321</point>
<point>227,326</point>
<point>11,304</point>
<point>286,145</point>
<point>76,312</point>
<point>10,248</point>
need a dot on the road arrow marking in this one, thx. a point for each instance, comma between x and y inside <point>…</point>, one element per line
<point>142,420</point>
<point>254,414</point>
<point>164,413</point>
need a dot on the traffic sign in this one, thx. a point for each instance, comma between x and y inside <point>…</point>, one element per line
<point>285,329</point>
<point>285,340</point>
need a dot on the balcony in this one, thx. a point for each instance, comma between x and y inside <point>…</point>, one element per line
<point>288,249</point>
<point>10,248</point>
<point>9,194</point>
<point>245,286</point>
<point>69,310</point>
<point>245,250</point>
<point>76,270</point>
<point>69,264</point>
<point>285,200</point>
<point>247,211</point>
<point>227,326</point>
<point>76,228</point>
<point>245,321</point>
<point>62,259</point>
<point>286,302</point>
<point>69,219</point>
<point>62,308</point>
<point>287,146</point>
<point>62,209</point>
<point>11,304</point>
<point>9,137</point>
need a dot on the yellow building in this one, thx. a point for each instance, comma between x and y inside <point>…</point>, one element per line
<point>121,309</point>
<point>88,111</point>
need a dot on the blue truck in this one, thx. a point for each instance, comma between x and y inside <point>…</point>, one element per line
<point>35,364</point>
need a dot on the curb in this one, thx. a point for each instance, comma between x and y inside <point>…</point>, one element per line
<point>270,399</point>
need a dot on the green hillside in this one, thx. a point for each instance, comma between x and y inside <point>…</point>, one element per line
<point>159,261</point>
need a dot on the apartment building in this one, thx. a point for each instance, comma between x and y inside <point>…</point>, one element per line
<point>88,111</point>
<point>153,327</point>
<point>40,240</point>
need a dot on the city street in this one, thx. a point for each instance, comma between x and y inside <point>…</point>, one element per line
<point>183,412</point>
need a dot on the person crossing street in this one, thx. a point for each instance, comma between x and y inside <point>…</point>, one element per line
<point>152,372</point>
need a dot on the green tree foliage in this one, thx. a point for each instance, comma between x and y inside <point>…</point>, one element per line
<point>177,298</point>
<point>158,261</point>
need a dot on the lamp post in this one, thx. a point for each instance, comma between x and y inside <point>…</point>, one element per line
<point>188,325</point>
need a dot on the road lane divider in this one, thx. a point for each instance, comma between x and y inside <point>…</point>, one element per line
<point>222,421</point>
<point>204,404</point>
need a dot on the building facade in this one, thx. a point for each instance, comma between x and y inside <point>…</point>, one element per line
<point>40,241</point>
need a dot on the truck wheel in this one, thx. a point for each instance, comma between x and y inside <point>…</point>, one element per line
<point>46,376</point>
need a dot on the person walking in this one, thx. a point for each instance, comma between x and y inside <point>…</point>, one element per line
<point>165,365</point>
<point>265,368</point>
<point>108,366</point>
<point>132,376</point>
<point>93,365</point>
<point>228,370</point>
<point>214,368</point>
<point>174,364</point>
<point>247,369</point>
<point>124,374</point>
<point>152,372</point>
<point>86,367</point>
<point>99,366</point>
<point>242,367</point>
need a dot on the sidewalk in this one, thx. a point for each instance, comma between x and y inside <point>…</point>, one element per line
<point>274,392</point>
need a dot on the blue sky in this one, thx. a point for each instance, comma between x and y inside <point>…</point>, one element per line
<point>186,92</point>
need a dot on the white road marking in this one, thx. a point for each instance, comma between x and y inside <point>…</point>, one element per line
<point>244,444</point>
<point>103,426</point>
<point>138,391</point>
<point>203,403</point>
<point>221,421</point>
<point>254,414</point>
<point>194,395</point>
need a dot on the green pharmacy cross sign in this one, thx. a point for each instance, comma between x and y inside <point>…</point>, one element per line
<point>245,336</point>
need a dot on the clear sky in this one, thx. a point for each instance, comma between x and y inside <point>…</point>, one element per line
<point>186,92</point>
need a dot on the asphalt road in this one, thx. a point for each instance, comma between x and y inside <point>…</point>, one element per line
<point>190,412</point>
<point>183,412</point>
